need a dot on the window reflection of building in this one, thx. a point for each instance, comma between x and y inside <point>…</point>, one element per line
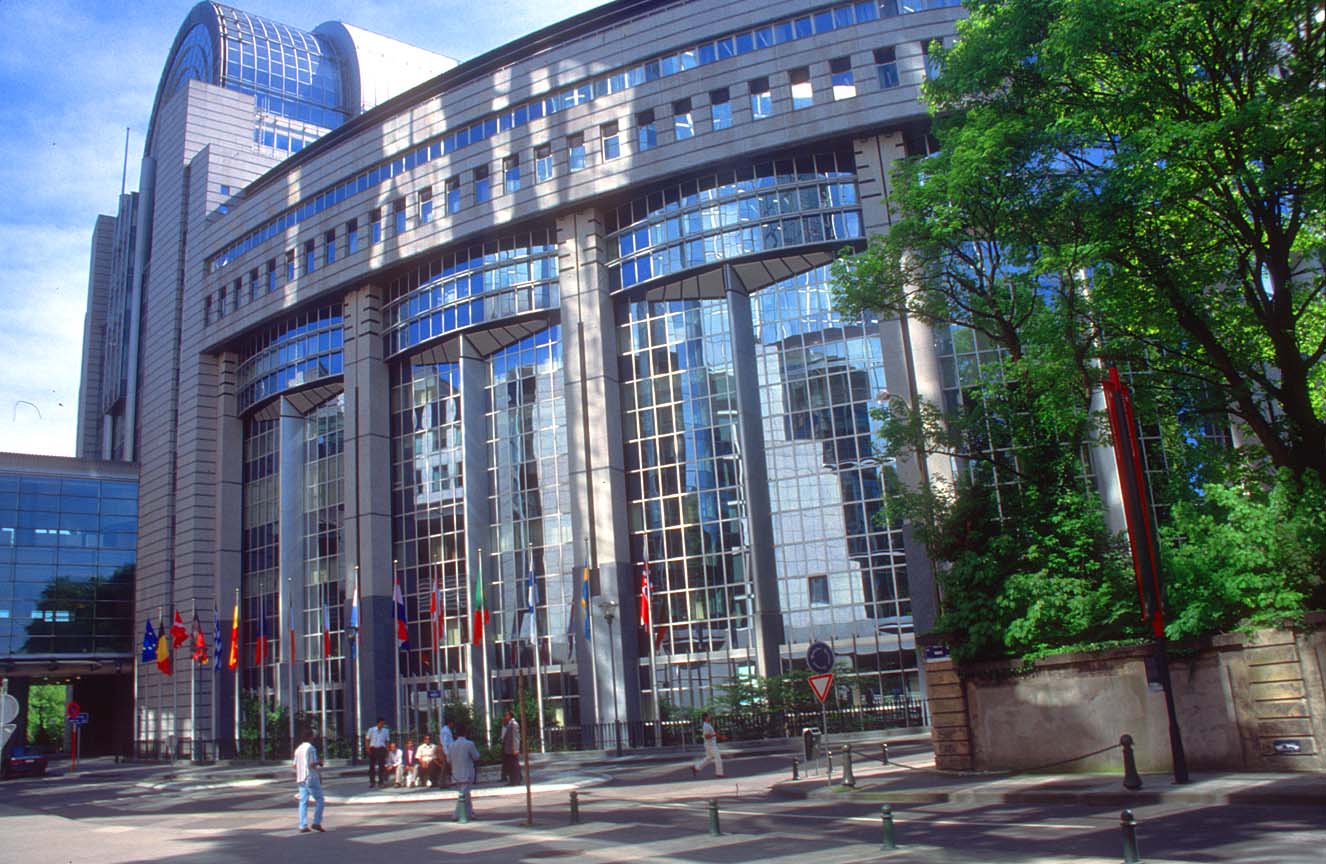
<point>819,375</point>
<point>530,514</point>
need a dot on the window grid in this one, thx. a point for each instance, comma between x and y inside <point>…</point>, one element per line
<point>765,206</point>
<point>686,508</point>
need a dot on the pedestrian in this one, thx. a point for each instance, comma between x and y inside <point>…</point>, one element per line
<point>375,741</point>
<point>406,775</point>
<point>307,765</point>
<point>445,738</point>
<point>393,762</point>
<point>510,749</point>
<point>464,757</point>
<point>711,753</point>
<point>425,756</point>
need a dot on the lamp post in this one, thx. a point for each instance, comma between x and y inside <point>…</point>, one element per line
<point>609,608</point>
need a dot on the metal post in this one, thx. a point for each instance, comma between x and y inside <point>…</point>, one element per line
<point>1131,779</point>
<point>884,753</point>
<point>886,819</point>
<point>575,807</point>
<point>713,818</point>
<point>796,768</point>
<point>1128,826</point>
<point>462,812</point>
<point>849,779</point>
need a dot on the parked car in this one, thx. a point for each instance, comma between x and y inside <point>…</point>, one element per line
<point>23,761</point>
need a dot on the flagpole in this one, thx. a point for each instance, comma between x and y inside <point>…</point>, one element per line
<point>193,695</point>
<point>174,699</point>
<point>395,638</point>
<point>589,619</point>
<point>358,649</point>
<point>437,666</point>
<point>483,662</point>
<point>534,631</point>
<point>138,713</point>
<point>653,666</point>
<point>234,646</point>
<point>326,662</point>
<point>262,680</point>
<point>294,692</point>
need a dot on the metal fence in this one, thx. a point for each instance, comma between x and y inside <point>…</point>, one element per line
<point>902,712</point>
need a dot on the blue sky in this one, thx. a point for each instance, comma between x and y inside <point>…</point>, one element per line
<point>73,76</point>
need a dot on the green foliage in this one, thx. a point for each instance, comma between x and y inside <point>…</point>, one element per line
<point>46,714</point>
<point>1250,557</point>
<point>754,694</point>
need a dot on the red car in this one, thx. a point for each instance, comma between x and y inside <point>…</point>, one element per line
<point>23,761</point>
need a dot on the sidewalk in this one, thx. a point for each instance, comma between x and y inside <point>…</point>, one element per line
<point>915,781</point>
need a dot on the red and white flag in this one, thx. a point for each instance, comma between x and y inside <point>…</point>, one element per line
<point>645,597</point>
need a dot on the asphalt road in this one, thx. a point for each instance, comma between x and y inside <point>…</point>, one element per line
<point>641,812</point>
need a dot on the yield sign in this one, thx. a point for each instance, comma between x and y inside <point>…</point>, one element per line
<point>820,684</point>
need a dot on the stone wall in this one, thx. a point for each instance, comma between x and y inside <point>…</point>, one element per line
<point>1245,702</point>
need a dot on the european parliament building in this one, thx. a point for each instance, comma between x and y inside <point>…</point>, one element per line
<point>558,314</point>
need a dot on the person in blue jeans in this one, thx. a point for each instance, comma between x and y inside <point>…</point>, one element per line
<point>307,765</point>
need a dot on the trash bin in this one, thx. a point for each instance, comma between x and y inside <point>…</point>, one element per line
<point>810,737</point>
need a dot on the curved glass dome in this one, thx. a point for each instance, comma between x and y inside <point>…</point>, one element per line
<point>291,73</point>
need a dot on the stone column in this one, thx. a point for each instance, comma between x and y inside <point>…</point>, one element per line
<point>228,565</point>
<point>478,537</point>
<point>767,623</point>
<point>598,468</point>
<point>911,369</point>
<point>367,523</point>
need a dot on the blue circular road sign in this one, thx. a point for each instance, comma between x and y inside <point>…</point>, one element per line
<point>819,658</point>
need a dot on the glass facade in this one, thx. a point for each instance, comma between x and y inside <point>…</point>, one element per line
<point>428,521</point>
<point>764,207</point>
<point>473,286</point>
<point>761,38</point>
<point>325,592</point>
<point>530,511</point>
<point>302,349</point>
<point>260,550</point>
<point>687,509</point>
<point>67,555</point>
<point>841,567</point>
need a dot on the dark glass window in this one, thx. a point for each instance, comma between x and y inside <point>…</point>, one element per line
<point>483,186</point>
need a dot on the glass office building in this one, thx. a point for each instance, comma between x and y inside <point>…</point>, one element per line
<point>544,333</point>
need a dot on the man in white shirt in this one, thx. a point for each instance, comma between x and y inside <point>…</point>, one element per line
<point>393,762</point>
<point>464,756</point>
<point>375,741</point>
<point>711,753</point>
<point>425,755</point>
<point>307,764</point>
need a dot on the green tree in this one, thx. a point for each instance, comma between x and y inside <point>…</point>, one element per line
<point>1135,183</point>
<point>46,714</point>
<point>1178,148</point>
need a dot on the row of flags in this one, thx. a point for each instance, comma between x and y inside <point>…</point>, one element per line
<point>159,645</point>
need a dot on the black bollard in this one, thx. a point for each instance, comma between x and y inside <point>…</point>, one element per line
<point>796,768</point>
<point>886,817</point>
<point>713,818</point>
<point>462,812</point>
<point>828,764</point>
<point>884,753</point>
<point>1128,825</point>
<point>1131,779</point>
<point>849,779</point>
<point>575,807</point>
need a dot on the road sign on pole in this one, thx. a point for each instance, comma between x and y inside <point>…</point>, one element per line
<point>72,710</point>
<point>820,684</point>
<point>819,658</point>
<point>82,719</point>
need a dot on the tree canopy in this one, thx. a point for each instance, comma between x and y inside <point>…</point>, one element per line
<point>1117,183</point>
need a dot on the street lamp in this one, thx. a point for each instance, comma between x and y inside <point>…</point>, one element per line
<point>609,608</point>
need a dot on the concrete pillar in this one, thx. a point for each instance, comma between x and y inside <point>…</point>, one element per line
<point>911,368</point>
<point>367,523</point>
<point>478,540</point>
<point>766,613</point>
<point>598,469</point>
<point>228,564</point>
